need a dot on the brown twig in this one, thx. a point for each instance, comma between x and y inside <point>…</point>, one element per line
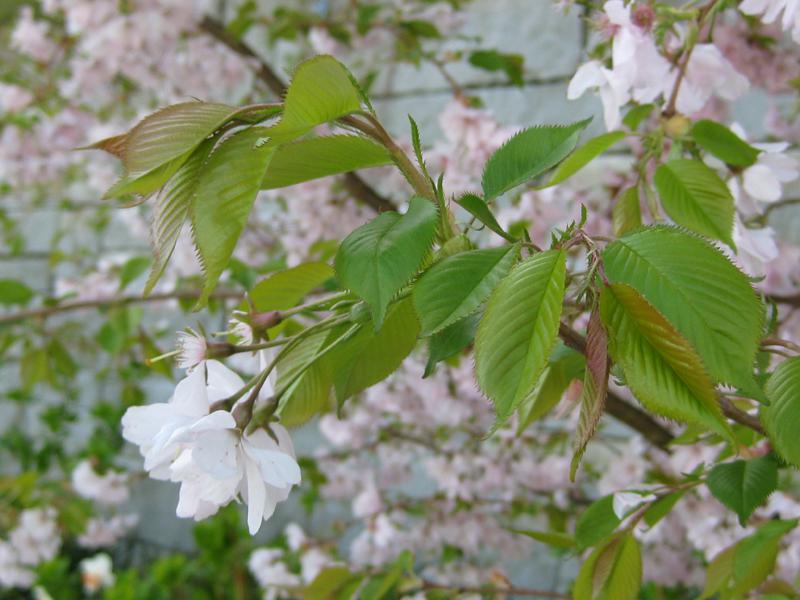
<point>48,311</point>
<point>354,184</point>
<point>510,590</point>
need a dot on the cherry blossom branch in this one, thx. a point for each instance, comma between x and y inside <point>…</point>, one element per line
<point>49,311</point>
<point>494,590</point>
<point>352,181</point>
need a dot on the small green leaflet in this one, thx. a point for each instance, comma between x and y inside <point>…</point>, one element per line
<point>527,155</point>
<point>781,418</point>
<point>475,206</point>
<point>721,142</point>
<point>694,196</point>
<point>369,356</point>
<point>284,289</point>
<point>661,368</point>
<point>172,210</point>
<point>744,485</point>
<point>551,538</point>
<point>321,90</point>
<point>456,286</point>
<point>492,60</point>
<point>627,212</point>
<point>612,572</point>
<point>226,190</point>
<point>565,366</point>
<point>158,145</point>
<point>450,341</point>
<point>518,330</point>
<point>320,157</point>
<point>376,260</point>
<point>14,292</point>
<point>596,523</point>
<point>584,155</point>
<point>700,292</point>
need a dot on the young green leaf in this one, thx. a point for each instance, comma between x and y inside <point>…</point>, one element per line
<point>518,330</point>
<point>285,289</point>
<point>565,366</point>
<point>781,418</point>
<point>158,145</point>
<point>596,523</point>
<point>172,210</point>
<point>612,572</point>
<point>320,157</point>
<point>321,90</point>
<point>14,292</point>
<point>627,213</point>
<point>379,258</point>
<point>718,140</point>
<point>744,485</point>
<point>661,368</point>
<point>492,60</point>
<point>450,341</point>
<point>456,286</point>
<point>584,155</point>
<point>700,292</point>
<point>595,388</point>
<point>694,196</point>
<point>475,206</point>
<point>309,381</point>
<point>528,154</point>
<point>223,198</point>
<point>551,538</point>
<point>369,356</point>
<point>754,558</point>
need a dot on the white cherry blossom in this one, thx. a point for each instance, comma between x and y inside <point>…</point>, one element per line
<point>769,10</point>
<point>96,573</point>
<point>110,488</point>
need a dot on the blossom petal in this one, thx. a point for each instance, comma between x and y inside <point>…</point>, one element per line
<point>761,183</point>
<point>256,496</point>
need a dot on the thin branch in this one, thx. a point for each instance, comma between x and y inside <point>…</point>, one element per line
<point>741,417</point>
<point>352,182</point>
<point>48,311</point>
<point>494,590</point>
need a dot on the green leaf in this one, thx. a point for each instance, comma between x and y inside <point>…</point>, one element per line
<point>661,368</point>
<point>584,155</point>
<point>612,572</point>
<point>327,583</point>
<point>708,300</point>
<point>627,213</point>
<point>634,117</point>
<point>595,388</point>
<point>492,60</point>
<point>661,507</point>
<point>156,147</point>
<point>450,341</point>
<point>744,485</point>
<point>226,190</point>
<point>480,210</point>
<point>369,357</point>
<point>551,538</point>
<point>380,587</point>
<point>528,154</point>
<point>286,288</point>
<point>518,330</point>
<point>320,157</point>
<point>309,381</point>
<point>321,90</point>
<point>718,140</point>
<point>694,196</point>
<point>456,286</point>
<point>379,258</point>
<point>565,365</point>
<point>781,418</point>
<point>132,268</point>
<point>14,292</point>
<point>719,572</point>
<point>172,209</point>
<point>754,559</point>
<point>596,523</point>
